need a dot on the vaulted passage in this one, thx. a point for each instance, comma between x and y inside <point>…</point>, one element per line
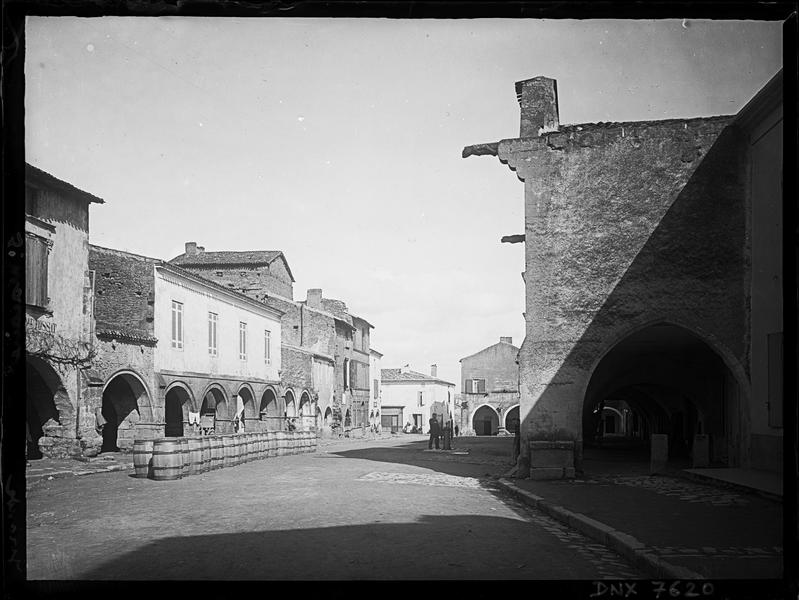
<point>46,402</point>
<point>485,421</point>
<point>123,398</point>
<point>666,380</point>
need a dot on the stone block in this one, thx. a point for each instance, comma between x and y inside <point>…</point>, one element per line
<point>659,453</point>
<point>700,455</point>
<point>542,473</point>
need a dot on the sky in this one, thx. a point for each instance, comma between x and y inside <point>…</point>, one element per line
<point>338,141</point>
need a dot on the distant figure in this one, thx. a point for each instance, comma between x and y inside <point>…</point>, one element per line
<point>456,430</point>
<point>435,431</point>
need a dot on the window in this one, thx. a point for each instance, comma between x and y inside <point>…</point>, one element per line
<point>267,347</point>
<point>37,250</point>
<point>376,388</point>
<point>346,373</point>
<point>177,325</point>
<point>475,386</point>
<point>213,320</point>
<point>421,398</point>
<point>242,341</point>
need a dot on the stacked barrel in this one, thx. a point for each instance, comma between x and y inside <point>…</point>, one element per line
<point>172,458</point>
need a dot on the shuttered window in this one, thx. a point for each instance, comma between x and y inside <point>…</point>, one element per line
<point>475,386</point>
<point>37,250</point>
<point>213,321</point>
<point>242,340</point>
<point>177,325</point>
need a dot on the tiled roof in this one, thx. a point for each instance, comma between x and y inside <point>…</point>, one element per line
<point>35,175</point>
<point>247,257</point>
<point>398,375</point>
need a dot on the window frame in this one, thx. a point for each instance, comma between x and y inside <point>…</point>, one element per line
<point>213,334</point>
<point>243,340</point>
<point>267,347</point>
<point>178,319</point>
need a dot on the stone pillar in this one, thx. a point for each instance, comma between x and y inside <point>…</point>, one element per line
<point>659,453</point>
<point>700,454</point>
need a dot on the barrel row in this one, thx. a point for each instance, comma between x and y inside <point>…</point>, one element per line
<point>175,457</point>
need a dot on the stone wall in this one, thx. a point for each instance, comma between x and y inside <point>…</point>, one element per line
<point>124,290</point>
<point>496,364</point>
<point>257,281</point>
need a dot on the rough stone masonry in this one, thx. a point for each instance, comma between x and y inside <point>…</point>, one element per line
<point>626,224</point>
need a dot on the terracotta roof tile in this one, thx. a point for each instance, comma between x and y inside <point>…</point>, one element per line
<point>398,375</point>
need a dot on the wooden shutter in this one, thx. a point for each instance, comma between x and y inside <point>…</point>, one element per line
<point>481,386</point>
<point>36,252</point>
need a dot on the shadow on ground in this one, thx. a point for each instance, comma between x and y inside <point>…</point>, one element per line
<point>434,547</point>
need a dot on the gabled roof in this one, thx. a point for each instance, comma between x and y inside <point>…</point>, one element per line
<point>388,375</point>
<point>37,176</point>
<point>231,257</point>
<point>502,344</point>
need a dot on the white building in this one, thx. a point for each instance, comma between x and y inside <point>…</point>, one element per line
<point>411,397</point>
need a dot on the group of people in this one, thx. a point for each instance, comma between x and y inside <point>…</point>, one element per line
<point>437,432</point>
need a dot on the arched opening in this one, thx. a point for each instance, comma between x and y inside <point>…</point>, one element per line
<point>47,403</point>
<point>291,407</point>
<point>176,410</point>
<point>328,420</point>
<point>662,379</point>
<point>270,411</point>
<point>347,419</point>
<point>212,410</point>
<point>317,419</point>
<point>485,421</point>
<point>124,399</point>
<point>512,419</point>
<point>306,412</point>
<point>245,408</point>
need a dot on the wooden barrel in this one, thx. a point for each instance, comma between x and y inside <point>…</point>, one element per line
<point>216,452</point>
<point>195,456</point>
<point>142,457</point>
<point>306,441</point>
<point>269,438</point>
<point>248,447</point>
<point>205,454</point>
<point>228,450</point>
<point>280,441</point>
<point>295,442</point>
<point>167,459</point>
<point>184,446</point>
<point>239,448</point>
<point>314,440</point>
<point>264,445</point>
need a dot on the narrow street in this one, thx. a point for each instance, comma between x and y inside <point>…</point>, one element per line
<point>385,509</point>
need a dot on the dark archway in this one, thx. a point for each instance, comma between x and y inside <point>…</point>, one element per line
<point>46,400</point>
<point>671,382</point>
<point>328,420</point>
<point>512,419</point>
<point>270,411</point>
<point>347,419</point>
<point>485,421</point>
<point>213,409</point>
<point>176,405</point>
<point>123,396</point>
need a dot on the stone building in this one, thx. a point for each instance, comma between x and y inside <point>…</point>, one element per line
<point>490,384</point>
<point>350,404</point>
<point>376,406</point>
<point>214,352</point>
<point>325,372</point>
<point>412,397</point>
<point>58,316</point>
<point>653,278</point>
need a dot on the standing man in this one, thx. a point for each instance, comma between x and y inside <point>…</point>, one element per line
<point>435,431</point>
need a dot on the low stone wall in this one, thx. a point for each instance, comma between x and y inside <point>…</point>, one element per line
<point>551,459</point>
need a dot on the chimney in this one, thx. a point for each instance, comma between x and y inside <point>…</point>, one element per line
<point>507,340</point>
<point>314,298</point>
<point>200,249</point>
<point>538,98</point>
<point>433,370</point>
<point>191,248</point>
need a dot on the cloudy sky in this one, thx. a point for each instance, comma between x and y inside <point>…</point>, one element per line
<point>338,141</point>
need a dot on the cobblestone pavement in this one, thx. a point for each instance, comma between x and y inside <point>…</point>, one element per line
<point>360,510</point>
<point>684,490</point>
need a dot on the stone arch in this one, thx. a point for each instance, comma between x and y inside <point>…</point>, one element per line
<point>215,404</point>
<point>125,401</point>
<point>246,397</point>
<point>328,420</point>
<point>306,411</point>
<point>270,409</point>
<point>511,418</point>
<point>485,420</point>
<point>48,407</point>
<point>682,375</point>
<point>178,399</point>
<point>290,409</point>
